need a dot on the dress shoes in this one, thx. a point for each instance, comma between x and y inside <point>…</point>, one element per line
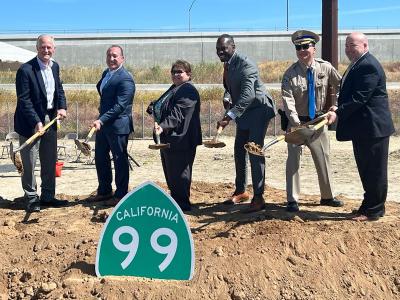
<point>33,207</point>
<point>113,201</point>
<point>256,204</point>
<point>363,218</point>
<point>54,203</point>
<point>237,198</point>
<point>332,202</point>
<point>292,207</point>
<point>99,197</point>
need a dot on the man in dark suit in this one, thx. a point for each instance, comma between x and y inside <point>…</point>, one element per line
<point>364,118</point>
<point>40,98</point>
<point>117,89</point>
<point>251,106</point>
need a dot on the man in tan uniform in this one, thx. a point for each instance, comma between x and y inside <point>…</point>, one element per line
<point>305,87</point>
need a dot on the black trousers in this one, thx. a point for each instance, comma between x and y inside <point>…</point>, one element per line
<point>372,162</point>
<point>178,166</point>
<point>117,144</point>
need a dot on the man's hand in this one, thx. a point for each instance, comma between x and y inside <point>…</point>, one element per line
<point>331,117</point>
<point>62,113</point>
<point>225,121</point>
<point>333,108</point>
<point>97,124</point>
<point>39,128</point>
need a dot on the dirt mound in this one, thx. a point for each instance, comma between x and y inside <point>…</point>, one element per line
<point>315,254</point>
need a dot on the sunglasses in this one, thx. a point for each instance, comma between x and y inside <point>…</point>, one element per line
<point>304,47</point>
<point>173,72</point>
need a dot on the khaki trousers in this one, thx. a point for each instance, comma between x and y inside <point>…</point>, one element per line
<point>320,149</point>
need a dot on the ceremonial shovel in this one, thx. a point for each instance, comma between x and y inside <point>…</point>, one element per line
<point>16,157</point>
<point>84,146</point>
<point>214,143</point>
<point>299,136</point>
<point>158,145</point>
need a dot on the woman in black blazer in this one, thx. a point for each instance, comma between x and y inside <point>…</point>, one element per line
<point>177,117</point>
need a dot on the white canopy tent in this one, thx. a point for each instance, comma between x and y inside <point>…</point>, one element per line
<point>12,53</point>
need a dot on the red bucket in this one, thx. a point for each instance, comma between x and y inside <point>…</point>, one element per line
<point>59,165</point>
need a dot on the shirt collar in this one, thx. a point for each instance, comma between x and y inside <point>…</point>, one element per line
<point>113,71</point>
<point>42,65</point>
<point>304,67</point>
<point>230,60</point>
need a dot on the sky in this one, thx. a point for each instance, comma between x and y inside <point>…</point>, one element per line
<point>52,16</point>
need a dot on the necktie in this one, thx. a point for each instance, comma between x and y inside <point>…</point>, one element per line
<point>104,81</point>
<point>311,94</point>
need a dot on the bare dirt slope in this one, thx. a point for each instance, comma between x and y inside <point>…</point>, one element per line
<point>315,254</point>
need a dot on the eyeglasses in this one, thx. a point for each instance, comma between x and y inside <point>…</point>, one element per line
<point>304,47</point>
<point>173,72</point>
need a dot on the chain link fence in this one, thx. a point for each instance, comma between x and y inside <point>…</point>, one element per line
<point>81,116</point>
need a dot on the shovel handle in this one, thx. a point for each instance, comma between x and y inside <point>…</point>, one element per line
<point>273,142</point>
<point>315,120</point>
<point>90,134</point>
<point>320,124</point>
<point>219,130</point>
<point>157,135</point>
<point>37,134</point>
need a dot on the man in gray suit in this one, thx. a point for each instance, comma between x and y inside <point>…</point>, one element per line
<point>250,105</point>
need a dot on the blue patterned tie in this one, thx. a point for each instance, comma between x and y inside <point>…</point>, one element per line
<point>311,94</point>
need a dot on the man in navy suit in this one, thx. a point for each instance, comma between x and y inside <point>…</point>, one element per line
<point>117,89</point>
<point>364,118</point>
<point>40,98</point>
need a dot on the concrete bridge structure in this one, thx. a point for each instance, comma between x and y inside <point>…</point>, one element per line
<point>152,49</point>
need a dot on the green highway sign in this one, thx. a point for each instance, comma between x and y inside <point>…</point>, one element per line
<point>146,235</point>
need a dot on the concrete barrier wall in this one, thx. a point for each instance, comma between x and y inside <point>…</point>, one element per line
<point>146,50</point>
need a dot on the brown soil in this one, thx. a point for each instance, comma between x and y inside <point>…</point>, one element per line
<point>314,254</point>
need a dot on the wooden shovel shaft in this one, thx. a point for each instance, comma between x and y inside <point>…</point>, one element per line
<point>320,124</point>
<point>90,134</point>
<point>157,135</point>
<point>273,142</point>
<point>219,130</point>
<point>37,134</point>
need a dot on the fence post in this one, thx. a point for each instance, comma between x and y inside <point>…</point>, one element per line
<point>77,118</point>
<point>8,117</point>
<point>142,120</point>
<point>209,118</point>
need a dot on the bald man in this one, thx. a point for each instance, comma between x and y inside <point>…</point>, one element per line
<point>364,118</point>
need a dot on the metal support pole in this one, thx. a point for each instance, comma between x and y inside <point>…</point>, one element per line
<point>77,118</point>
<point>209,118</point>
<point>142,120</point>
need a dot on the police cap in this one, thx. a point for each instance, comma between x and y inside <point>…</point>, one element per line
<point>301,37</point>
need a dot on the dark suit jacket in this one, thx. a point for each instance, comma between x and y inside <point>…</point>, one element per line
<point>363,105</point>
<point>32,99</point>
<point>116,102</point>
<point>247,92</point>
<point>180,117</point>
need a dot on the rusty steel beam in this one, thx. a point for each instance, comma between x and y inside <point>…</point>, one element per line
<point>330,31</point>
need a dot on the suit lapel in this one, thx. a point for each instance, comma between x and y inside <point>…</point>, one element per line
<point>39,77</point>
<point>354,67</point>
<point>113,77</point>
